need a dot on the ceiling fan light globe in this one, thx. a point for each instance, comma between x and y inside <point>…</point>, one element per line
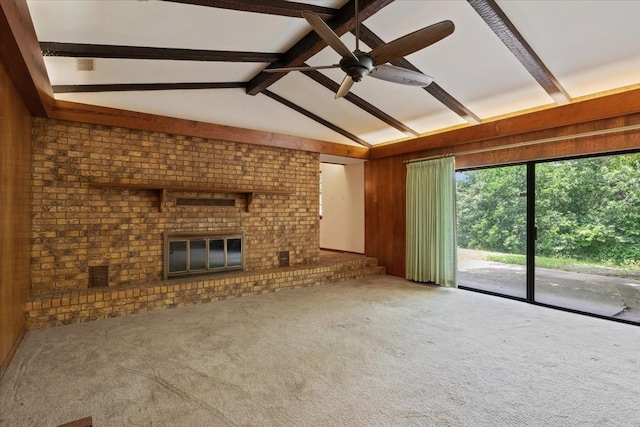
<point>357,73</point>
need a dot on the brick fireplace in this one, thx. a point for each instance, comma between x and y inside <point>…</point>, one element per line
<point>105,196</point>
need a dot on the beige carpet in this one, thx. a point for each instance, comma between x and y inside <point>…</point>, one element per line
<point>379,351</point>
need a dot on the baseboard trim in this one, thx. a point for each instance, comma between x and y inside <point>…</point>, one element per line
<point>14,347</point>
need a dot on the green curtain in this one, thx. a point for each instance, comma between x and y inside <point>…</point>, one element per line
<point>431,222</point>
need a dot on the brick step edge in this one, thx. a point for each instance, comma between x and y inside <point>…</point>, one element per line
<point>68,307</point>
<point>359,273</point>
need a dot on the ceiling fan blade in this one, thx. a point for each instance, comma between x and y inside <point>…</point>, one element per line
<point>307,68</point>
<point>394,74</point>
<point>411,42</point>
<point>327,34</point>
<point>345,86</point>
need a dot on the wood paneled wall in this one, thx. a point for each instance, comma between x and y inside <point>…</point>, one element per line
<point>15,216</point>
<point>385,177</point>
<point>385,213</point>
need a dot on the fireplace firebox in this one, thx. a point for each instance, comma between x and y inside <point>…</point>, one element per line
<point>187,253</point>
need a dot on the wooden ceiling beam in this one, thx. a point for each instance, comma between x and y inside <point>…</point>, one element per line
<point>500,24</point>
<point>82,50</point>
<point>20,53</point>
<point>84,113</point>
<point>325,81</point>
<point>270,7</point>
<point>373,41</point>
<point>604,107</point>
<point>311,44</point>
<point>129,87</point>
<point>315,118</point>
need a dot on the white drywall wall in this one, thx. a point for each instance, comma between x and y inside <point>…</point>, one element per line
<point>342,223</point>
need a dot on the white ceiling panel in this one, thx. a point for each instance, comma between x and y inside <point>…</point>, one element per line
<point>163,24</point>
<point>63,71</point>
<point>301,90</point>
<point>590,46</point>
<point>231,107</point>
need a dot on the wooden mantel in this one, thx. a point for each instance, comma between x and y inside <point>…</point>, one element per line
<point>163,189</point>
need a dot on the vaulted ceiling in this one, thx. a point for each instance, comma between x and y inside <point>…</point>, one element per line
<point>203,60</point>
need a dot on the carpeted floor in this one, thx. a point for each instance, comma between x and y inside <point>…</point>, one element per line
<point>380,351</point>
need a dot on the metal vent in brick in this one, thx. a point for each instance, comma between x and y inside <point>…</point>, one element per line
<point>99,276</point>
<point>205,202</point>
<point>85,64</point>
<point>283,258</point>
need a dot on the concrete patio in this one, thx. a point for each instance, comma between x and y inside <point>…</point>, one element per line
<point>603,295</point>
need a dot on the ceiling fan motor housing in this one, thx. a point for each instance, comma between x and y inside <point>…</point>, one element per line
<point>357,69</point>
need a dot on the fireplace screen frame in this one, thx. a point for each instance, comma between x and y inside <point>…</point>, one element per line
<point>228,263</point>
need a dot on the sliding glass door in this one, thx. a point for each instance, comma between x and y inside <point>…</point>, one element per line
<point>562,233</point>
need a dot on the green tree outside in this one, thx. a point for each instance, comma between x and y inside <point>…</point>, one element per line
<point>587,209</point>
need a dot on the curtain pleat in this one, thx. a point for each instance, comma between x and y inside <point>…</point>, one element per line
<point>431,222</point>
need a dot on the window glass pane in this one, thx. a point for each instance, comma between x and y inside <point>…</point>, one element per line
<point>234,252</point>
<point>198,255</point>
<point>588,242</point>
<point>216,253</point>
<point>177,256</point>
<point>492,229</point>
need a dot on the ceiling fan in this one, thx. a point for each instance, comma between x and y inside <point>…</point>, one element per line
<point>358,64</point>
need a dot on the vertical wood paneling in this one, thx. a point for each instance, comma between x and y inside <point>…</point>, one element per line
<point>399,200</point>
<point>15,216</point>
<point>385,217</point>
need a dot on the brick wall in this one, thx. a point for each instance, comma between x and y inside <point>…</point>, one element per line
<point>75,226</point>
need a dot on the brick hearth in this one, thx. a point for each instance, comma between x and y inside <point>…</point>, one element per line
<point>74,306</point>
